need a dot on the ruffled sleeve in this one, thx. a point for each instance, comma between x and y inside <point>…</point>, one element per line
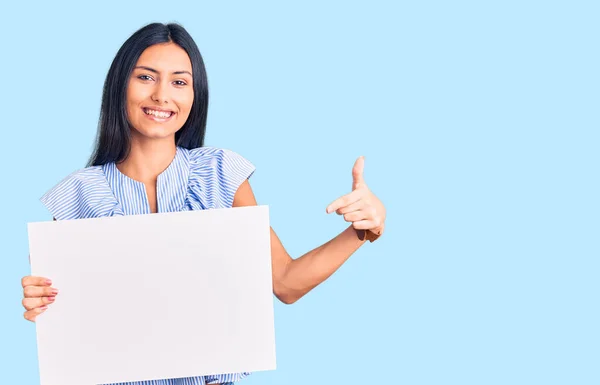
<point>215,176</point>
<point>83,194</point>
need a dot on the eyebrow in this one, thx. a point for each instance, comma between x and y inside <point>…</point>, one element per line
<point>156,72</point>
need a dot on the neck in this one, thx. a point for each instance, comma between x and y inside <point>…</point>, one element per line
<point>148,158</point>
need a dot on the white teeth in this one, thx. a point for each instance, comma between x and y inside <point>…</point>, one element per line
<point>158,114</point>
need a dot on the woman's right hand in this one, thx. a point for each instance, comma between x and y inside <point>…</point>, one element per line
<point>37,295</point>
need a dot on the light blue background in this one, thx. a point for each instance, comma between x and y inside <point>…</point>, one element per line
<point>479,123</point>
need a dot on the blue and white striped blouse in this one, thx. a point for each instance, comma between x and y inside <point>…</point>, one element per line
<point>198,179</point>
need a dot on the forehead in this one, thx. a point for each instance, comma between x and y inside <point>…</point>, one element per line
<point>165,57</point>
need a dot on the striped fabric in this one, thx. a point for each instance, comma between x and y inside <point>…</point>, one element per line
<point>198,179</point>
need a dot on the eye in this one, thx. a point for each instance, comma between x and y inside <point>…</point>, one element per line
<point>145,77</point>
<point>180,83</point>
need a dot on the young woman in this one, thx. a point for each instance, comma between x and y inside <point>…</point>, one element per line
<point>149,158</point>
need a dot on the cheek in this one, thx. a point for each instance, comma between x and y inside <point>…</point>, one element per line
<point>186,101</point>
<point>135,95</point>
<point>130,96</point>
<point>131,108</point>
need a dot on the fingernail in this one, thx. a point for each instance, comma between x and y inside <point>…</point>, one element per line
<point>55,291</point>
<point>48,282</point>
<point>44,307</point>
<point>51,299</point>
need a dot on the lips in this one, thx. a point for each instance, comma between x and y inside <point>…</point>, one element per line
<point>158,113</point>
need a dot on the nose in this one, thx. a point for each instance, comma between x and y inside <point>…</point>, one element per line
<point>160,94</point>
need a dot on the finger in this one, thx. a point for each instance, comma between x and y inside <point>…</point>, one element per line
<point>357,173</point>
<point>356,216</point>
<point>35,281</point>
<point>32,303</point>
<point>364,225</point>
<point>32,314</point>
<point>39,291</point>
<point>346,200</point>
<point>360,204</point>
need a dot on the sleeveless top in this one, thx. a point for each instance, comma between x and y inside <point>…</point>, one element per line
<point>198,179</point>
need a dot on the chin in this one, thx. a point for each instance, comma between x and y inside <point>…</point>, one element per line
<point>156,132</point>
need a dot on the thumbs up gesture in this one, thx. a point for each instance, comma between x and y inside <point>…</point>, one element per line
<point>361,206</point>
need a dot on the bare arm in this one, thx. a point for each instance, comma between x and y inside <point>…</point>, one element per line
<point>293,278</point>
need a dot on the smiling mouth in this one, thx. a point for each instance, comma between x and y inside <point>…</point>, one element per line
<point>158,114</point>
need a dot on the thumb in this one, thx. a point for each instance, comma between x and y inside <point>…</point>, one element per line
<point>357,173</point>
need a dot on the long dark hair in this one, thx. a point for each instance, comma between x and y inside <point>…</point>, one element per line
<point>113,141</point>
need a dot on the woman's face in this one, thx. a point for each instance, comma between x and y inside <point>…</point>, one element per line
<point>160,92</point>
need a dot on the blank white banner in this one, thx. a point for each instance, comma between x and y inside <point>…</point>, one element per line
<point>156,296</point>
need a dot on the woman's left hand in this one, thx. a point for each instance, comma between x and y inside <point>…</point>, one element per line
<point>361,206</point>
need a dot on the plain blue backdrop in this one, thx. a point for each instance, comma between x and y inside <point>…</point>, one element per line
<point>479,124</point>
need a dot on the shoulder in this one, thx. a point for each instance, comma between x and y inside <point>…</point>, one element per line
<point>224,162</point>
<point>80,179</point>
<point>216,174</point>
<point>84,193</point>
<point>88,174</point>
<point>215,155</point>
